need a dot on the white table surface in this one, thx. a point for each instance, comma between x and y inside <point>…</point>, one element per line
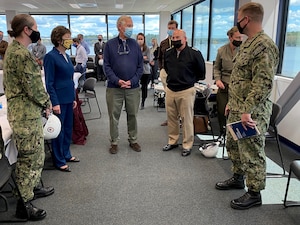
<point>11,150</point>
<point>1,82</point>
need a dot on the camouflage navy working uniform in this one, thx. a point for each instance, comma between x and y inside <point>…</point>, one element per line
<point>250,87</point>
<point>26,98</point>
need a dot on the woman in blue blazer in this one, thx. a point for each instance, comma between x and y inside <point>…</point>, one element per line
<point>59,72</point>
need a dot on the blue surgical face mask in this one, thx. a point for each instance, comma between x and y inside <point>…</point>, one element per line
<point>170,32</point>
<point>128,32</point>
<point>74,45</point>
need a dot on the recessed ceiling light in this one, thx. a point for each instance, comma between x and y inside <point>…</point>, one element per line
<point>75,6</point>
<point>161,7</point>
<point>119,6</point>
<point>87,5</point>
<point>30,5</point>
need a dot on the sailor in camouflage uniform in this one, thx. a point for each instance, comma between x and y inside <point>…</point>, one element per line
<point>26,99</point>
<point>250,87</point>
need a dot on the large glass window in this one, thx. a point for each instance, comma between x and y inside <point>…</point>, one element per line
<point>137,20</point>
<point>46,23</point>
<point>290,63</point>
<point>201,27</point>
<point>112,26</point>
<point>90,27</point>
<point>151,28</point>
<point>3,26</point>
<point>177,17</point>
<point>187,23</point>
<point>222,20</point>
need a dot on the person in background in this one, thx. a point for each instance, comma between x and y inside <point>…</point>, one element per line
<point>250,87</point>
<point>26,100</point>
<point>140,38</point>
<point>154,63</point>
<point>123,66</point>
<point>3,47</point>
<point>184,66</point>
<point>39,52</point>
<point>59,72</point>
<point>81,59</point>
<point>99,49</point>
<point>84,43</point>
<point>222,71</point>
<point>164,45</point>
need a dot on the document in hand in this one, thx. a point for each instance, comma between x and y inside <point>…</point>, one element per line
<point>237,130</point>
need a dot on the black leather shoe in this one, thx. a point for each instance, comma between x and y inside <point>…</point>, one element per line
<point>169,147</point>
<point>29,211</point>
<point>186,152</point>
<point>235,182</point>
<point>246,201</point>
<point>40,192</point>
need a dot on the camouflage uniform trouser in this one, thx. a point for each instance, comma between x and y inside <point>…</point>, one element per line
<point>248,155</point>
<point>28,136</point>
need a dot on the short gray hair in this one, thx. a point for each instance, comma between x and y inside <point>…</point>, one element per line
<point>122,19</point>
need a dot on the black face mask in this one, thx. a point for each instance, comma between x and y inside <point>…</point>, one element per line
<point>177,44</point>
<point>241,29</point>
<point>236,43</point>
<point>34,36</point>
<point>99,40</point>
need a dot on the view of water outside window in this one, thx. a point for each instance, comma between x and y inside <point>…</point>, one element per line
<point>290,63</point>
<point>187,23</point>
<point>201,27</point>
<point>90,26</point>
<point>177,18</point>
<point>222,21</point>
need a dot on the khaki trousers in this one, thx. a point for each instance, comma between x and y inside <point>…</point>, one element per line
<point>180,104</point>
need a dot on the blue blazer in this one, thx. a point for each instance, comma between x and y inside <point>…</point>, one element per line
<point>59,78</point>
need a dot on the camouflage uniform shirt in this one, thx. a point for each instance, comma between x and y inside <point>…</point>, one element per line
<point>252,76</point>
<point>24,90</point>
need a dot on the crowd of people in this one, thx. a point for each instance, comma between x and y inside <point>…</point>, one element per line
<point>243,72</point>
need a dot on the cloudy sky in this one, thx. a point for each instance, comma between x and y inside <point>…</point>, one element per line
<point>294,16</point>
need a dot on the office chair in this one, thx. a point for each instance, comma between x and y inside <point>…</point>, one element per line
<point>294,168</point>
<point>202,110</point>
<point>272,133</point>
<point>201,107</point>
<point>88,92</point>
<point>5,175</point>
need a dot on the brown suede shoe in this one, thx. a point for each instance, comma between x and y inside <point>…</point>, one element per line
<point>135,147</point>
<point>164,123</point>
<point>113,149</point>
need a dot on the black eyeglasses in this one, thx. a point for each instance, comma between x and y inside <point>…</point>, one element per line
<point>123,49</point>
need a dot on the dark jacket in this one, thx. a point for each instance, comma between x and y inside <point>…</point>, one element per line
<point>184,71</point>
<point>3,47</point>
<point>164,45</point>
<point>99,50</point>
